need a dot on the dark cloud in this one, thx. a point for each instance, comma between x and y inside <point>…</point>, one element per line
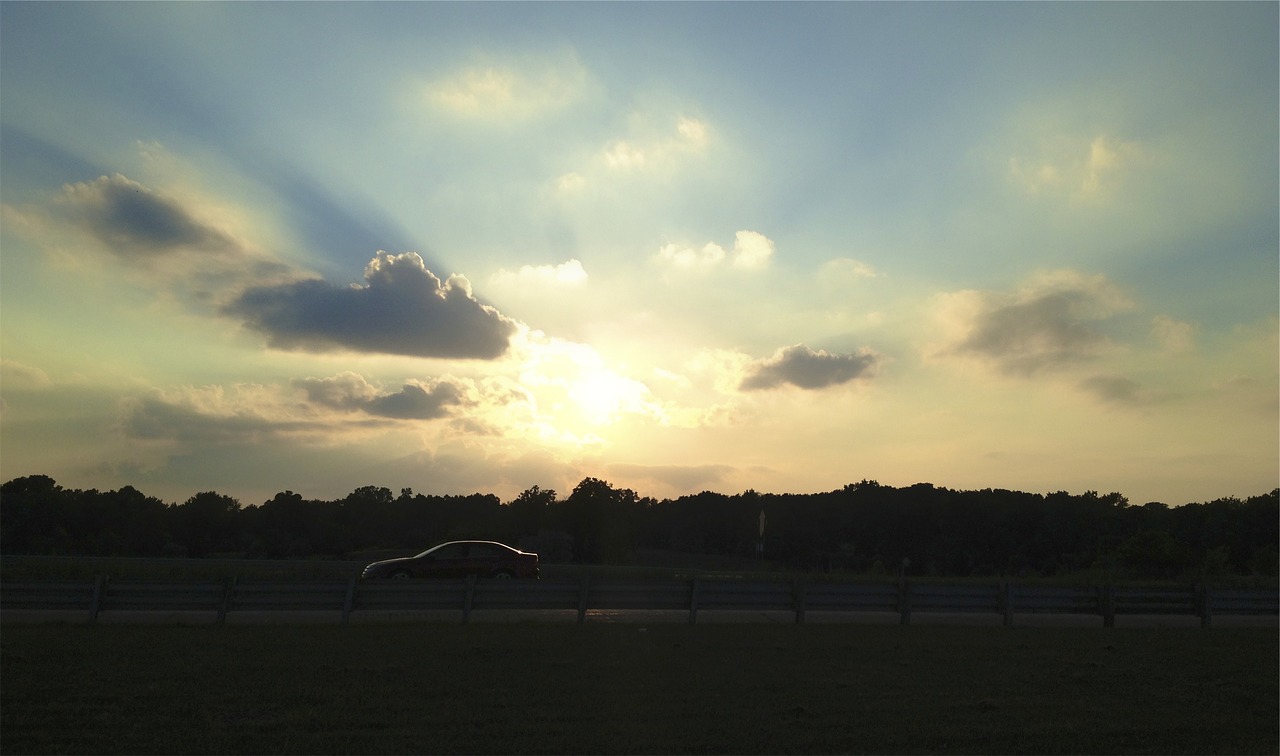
<point>805,368</point>
<point>1052,323</point>
<point>1043,332</point>
<point>401,309</point>
<point>415,401</point>
<point>135,222</point>
<point>347,391</point>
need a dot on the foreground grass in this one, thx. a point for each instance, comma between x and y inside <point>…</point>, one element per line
<point>619,688</point>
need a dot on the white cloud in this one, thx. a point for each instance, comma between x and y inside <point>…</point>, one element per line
<point>689,258</point>
<point>644,151</point>
<point>751,251</point>
<point>621,156</point>
<point>694,132</point>
<point>566,274</point>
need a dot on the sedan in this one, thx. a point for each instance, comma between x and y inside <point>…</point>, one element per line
<point>457,559</point>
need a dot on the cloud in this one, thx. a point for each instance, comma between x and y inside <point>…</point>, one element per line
<point>401,309</point>
<point>1079,171</point>
<point>19,376</point>
<point>252,414</point>
<point>346,391</point>
<point>517,91</point>
<point>134,222</point>
<point>417,402</point>
<point>751,251</point>
<point>1173,336</point>
<point>182,245</point>
<point>843,270</point>
<point>208,416</point>
<point>805,368</point>
<point>350,392</point>
<point>569,273</point>
<point>1048,324</point>
<point>622,155</point>
<point>690,135</point>
<point>1115,389</point>
<point>649,150</point>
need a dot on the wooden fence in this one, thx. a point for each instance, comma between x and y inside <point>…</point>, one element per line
<point>692,596</point>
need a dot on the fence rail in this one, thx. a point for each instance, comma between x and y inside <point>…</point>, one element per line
<point>691,596</point>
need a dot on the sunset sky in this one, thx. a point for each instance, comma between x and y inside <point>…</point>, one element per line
<point>479,247</point>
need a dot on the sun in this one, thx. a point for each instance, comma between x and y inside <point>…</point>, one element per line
<point>575,389</point>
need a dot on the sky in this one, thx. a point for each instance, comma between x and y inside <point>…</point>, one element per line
<point>478,247</point>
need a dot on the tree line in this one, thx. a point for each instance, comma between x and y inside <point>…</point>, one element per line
<point>863,527</point>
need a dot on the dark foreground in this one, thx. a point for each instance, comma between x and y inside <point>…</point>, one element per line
<point>626,688</point>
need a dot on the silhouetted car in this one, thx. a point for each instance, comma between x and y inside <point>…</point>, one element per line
<point>457,559</point>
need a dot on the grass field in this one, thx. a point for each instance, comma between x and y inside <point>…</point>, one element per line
<point>625,688</point>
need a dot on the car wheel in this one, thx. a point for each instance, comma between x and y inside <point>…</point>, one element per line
<point>401,575</point>
<point>503,575</point>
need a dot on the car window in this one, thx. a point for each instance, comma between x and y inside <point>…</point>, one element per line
<point>485,550</point>
<point>451,551</point>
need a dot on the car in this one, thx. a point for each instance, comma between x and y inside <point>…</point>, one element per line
<point>457,559</point>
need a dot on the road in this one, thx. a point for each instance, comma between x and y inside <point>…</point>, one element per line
<point>247,617</point>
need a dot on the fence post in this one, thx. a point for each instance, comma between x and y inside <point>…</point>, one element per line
<point>99,591</point>
<point>797,592</point>
<point>1204,602</point>
<point>1108,601</point>
<point>904,601</point>
<point>349,602</point>
<point>583,588</point>
<point>1007,599</point>
<point>693,601</point>
<point>466,601</point>
<point>228,588</point>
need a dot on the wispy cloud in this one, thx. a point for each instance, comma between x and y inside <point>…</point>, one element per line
<point>509,90</point>
<point>1082,170</point>
<point>1052,322</point>
<point>135,222</point>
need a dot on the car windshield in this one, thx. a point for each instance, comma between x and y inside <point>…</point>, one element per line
<point>445,551</point>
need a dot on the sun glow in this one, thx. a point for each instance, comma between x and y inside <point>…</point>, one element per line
<point>573,388</point>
